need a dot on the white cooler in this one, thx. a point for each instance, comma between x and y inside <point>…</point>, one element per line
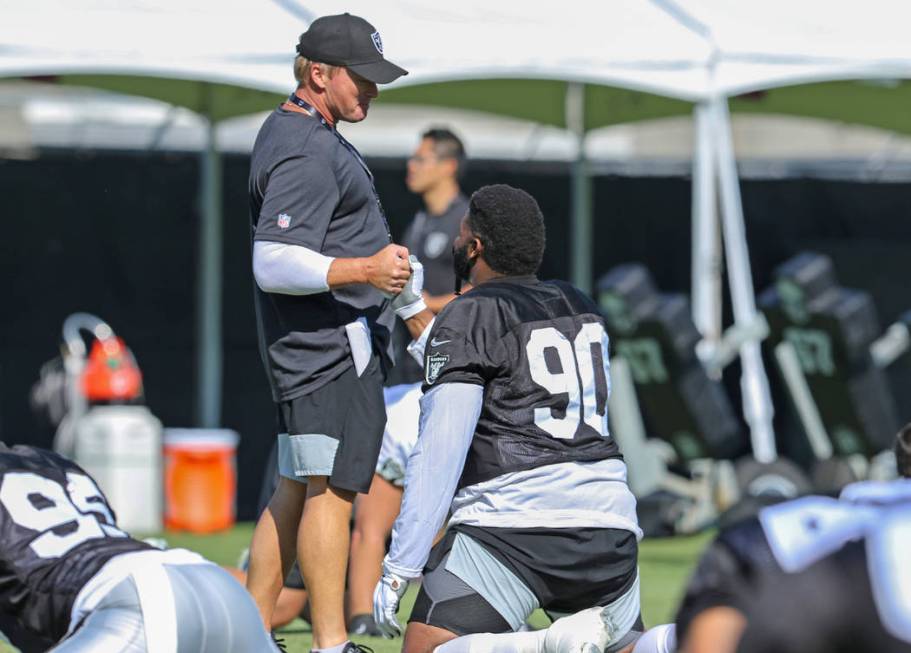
<point>120,447</point>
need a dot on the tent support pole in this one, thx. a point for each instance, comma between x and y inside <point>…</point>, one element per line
<point>209,285</point>
<point>581,231</point>
<point>757,401</point>
<point>706,232</point>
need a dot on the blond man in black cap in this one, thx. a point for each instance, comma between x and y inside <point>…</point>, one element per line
<point>325,270</point>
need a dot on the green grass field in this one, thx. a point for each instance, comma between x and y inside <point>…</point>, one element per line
<point>665,565</point>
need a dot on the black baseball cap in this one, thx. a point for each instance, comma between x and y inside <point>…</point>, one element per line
<point>350,41</point>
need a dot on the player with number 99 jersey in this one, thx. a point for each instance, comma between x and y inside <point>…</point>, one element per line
<point>56,532</point>
<point>68,573</point>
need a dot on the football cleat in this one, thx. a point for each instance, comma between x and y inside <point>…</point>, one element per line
<point>279,643</point>
<point>351,647</point>
<point>363,624</point>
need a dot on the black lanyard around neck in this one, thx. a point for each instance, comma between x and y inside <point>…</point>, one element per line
<point>310,109</point>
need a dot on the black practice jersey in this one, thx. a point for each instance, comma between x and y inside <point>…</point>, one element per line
<point>56,531</point>
<point>812,574</point>
<point>728,573</point>
<point>540,350</point>
<point>832,606</point>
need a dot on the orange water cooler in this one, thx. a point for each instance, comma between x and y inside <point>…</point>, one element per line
<point>200,479</point>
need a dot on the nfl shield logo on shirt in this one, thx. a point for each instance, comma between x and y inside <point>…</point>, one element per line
<point>435,363</point>
<point>284,220</point>
<point>377,42</point>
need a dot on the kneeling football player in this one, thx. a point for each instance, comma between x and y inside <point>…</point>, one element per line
<point>514,443</point>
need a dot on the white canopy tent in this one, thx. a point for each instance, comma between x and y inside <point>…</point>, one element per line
<point>226,58</point>
<point>792,47</point>
<point>581,66</point>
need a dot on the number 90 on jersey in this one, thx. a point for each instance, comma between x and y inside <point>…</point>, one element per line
<point>584,377</point>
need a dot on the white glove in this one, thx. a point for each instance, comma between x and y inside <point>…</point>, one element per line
<point>410,301</point>
<point>386,597</point>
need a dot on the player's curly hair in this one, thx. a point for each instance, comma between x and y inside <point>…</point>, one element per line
<point>903,451</point>
<point>508,221</point>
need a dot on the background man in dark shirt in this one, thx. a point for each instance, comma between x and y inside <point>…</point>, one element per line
<point>433,173</point>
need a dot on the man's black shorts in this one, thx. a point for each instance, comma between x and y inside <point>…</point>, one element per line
<point>335,431</point>
<point>560,570</point>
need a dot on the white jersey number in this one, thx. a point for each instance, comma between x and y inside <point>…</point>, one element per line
<point>42,504</point>
<point>577,378</point>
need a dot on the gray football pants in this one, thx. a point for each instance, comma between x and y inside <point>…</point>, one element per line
<point>212,614</point>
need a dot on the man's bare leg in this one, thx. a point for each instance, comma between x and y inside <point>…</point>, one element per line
<point>272,549</point>
<point>322,551</point>
<point>423,638</point>
<point>288,606</point>
<point>373,520</point>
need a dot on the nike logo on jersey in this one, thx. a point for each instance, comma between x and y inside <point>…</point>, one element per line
<point>436,343</point>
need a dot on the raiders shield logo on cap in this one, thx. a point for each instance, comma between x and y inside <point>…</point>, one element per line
<point>435,363</point>
<point>377,42</point>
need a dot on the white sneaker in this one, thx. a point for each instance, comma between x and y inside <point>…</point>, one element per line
<point>587,631</point>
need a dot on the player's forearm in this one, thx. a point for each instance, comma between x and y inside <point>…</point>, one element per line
<point>345,271</point>
<point>295,270</point>
<point>388,270</point>
<point>436,302</point>
<point>417,325</point>
<point>449,416</point>
<point>419,343</point>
